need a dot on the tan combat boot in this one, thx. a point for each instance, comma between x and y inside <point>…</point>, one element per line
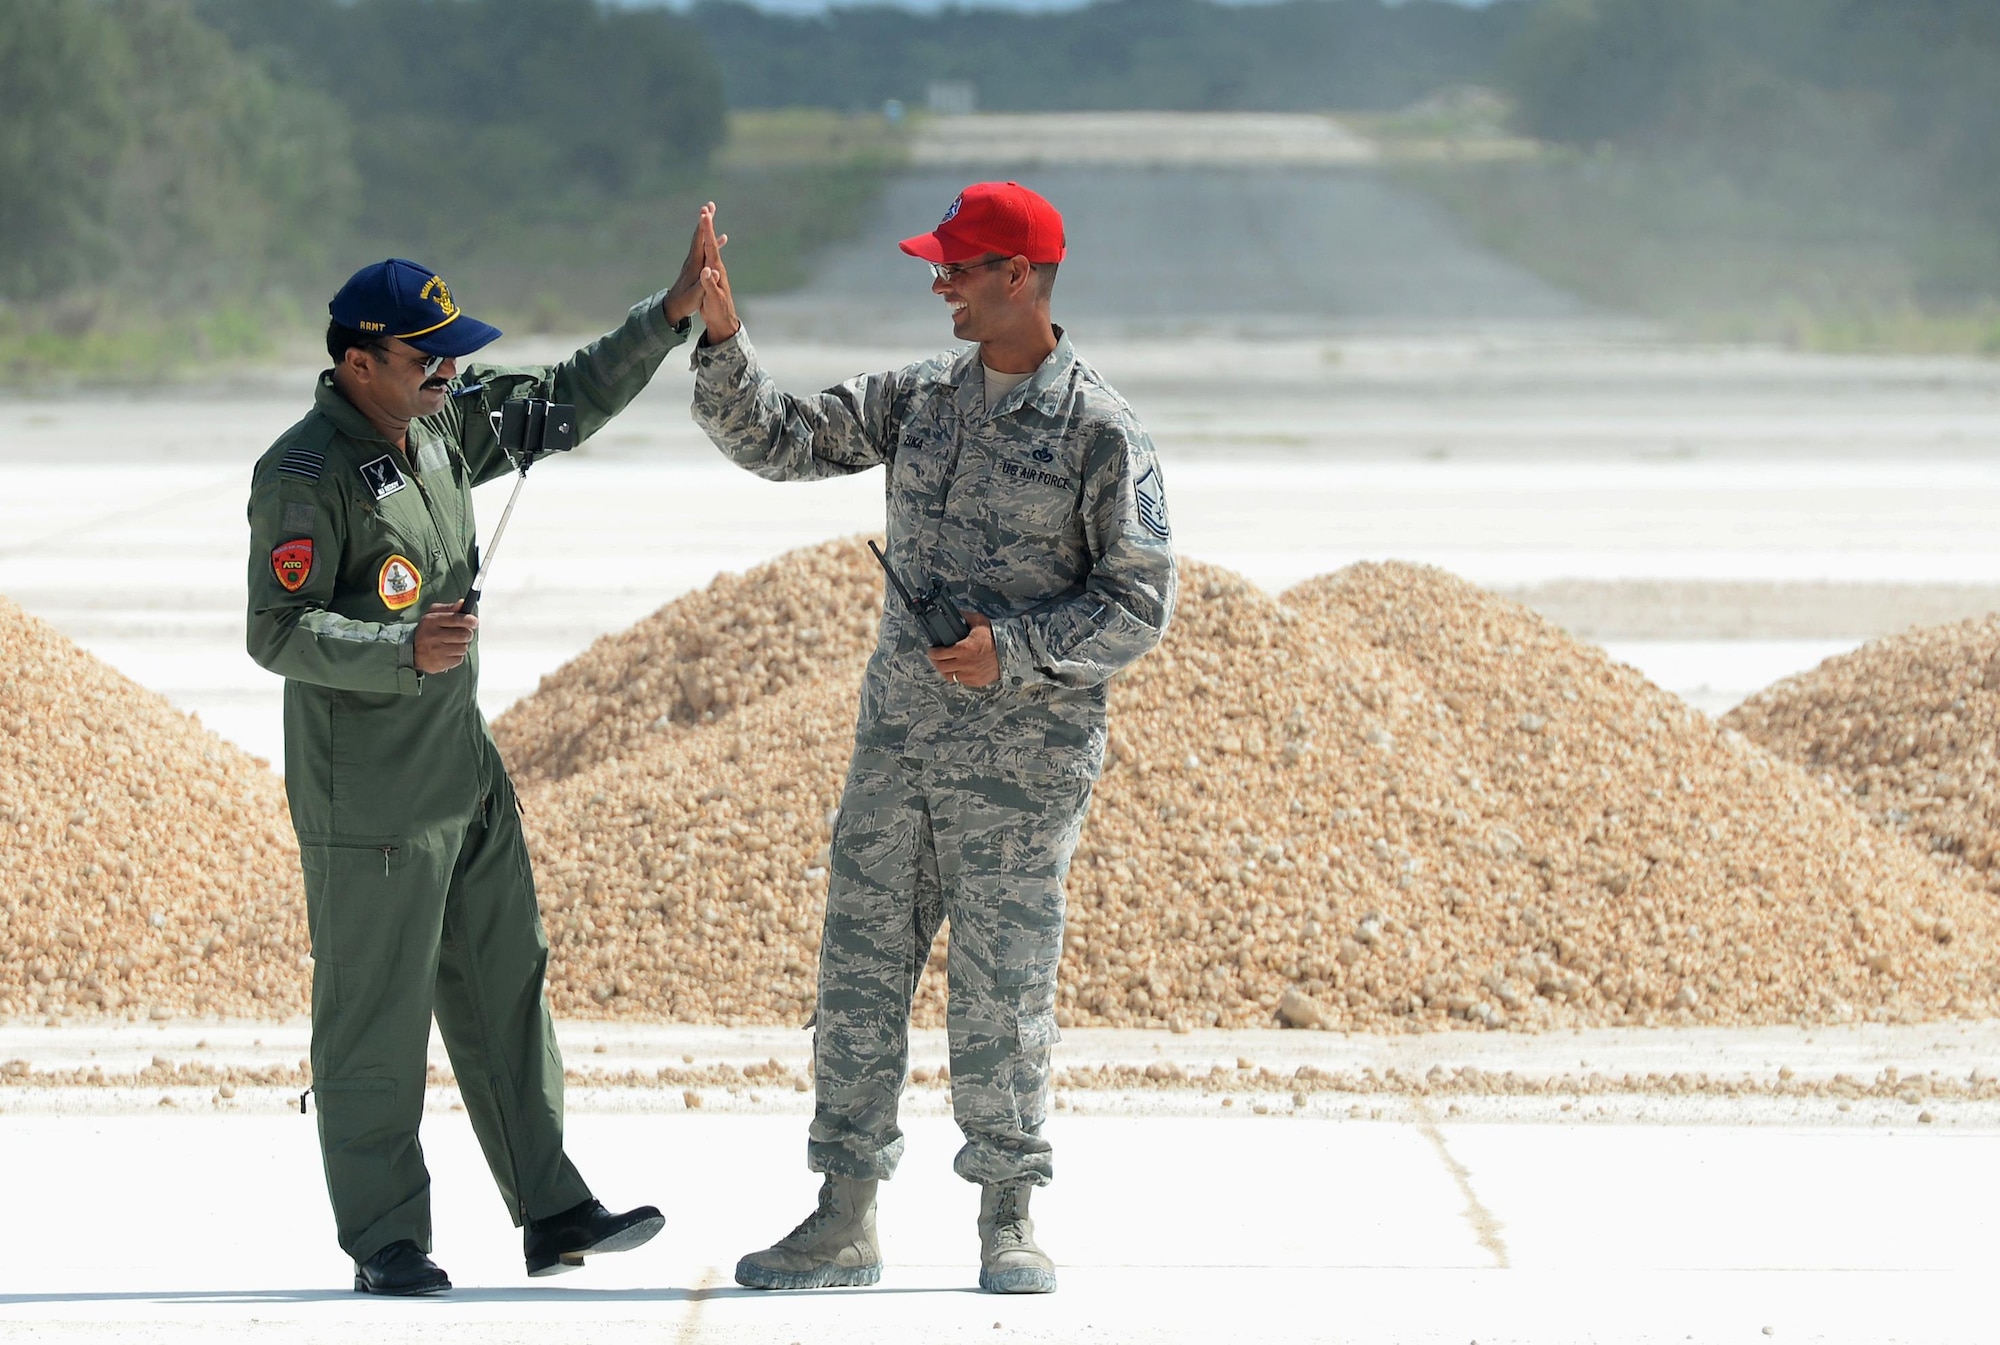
<point>1009,1260</point>
<point>835,1245</point>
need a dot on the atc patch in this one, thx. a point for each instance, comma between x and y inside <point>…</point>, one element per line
<point>399,584</point>
<point>382,477</point>
<point>293,564</point>
<point>1150,493</point>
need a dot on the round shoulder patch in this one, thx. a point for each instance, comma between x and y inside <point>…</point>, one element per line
<point>399,583</point>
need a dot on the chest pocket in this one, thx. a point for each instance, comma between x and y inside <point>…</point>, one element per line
<point>1040,492</point>
<point>406,525</point>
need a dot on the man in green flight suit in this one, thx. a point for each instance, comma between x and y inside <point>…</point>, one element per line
<point>418,891</point>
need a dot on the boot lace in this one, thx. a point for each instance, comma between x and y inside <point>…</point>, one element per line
<point>813,1222</point>
<point>1008,1231</point>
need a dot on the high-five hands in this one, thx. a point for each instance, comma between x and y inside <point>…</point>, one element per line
<point>718,306</point>
<point>704,251</point>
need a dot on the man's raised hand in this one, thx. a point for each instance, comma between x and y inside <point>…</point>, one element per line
<point>704,250</point>
<point>718,306</point>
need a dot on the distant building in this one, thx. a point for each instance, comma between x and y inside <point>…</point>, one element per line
<point>952,97</point>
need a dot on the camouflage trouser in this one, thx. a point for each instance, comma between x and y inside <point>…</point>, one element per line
<point>919,842</point>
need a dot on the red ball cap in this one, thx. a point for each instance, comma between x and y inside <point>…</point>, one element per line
<point>1002,217</point>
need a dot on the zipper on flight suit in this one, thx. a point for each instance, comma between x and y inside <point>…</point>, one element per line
<point>440,556</point>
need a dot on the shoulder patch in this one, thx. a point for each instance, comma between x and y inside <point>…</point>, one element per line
<point>292,563</point>
<point>303,462</point>
<point>382,477</point>
<point>1151,495</point>
<point>300,515</point>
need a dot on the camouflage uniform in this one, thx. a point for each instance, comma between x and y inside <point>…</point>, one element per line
<point>1046,514</point>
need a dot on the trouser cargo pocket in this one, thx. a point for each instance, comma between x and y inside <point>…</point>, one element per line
<point>357,894</point>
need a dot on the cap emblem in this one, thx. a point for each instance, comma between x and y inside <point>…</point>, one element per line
<point>951,211</point>
<point>434,290</point>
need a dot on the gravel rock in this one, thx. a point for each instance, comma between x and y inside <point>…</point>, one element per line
<point>1410,801</point>
<point>1908,729</point>
<point>146,865</point>
<point>1391,797</point>
<point>809,614</point>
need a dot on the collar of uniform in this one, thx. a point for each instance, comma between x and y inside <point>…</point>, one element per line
<point>346,418</point>
<point>966,372</point>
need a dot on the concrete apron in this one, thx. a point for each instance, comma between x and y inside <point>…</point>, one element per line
<point>1174,1218</point>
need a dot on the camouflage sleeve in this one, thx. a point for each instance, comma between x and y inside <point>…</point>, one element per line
<point>780,437</point>
<point>1087,637</point>
<point>297,533</point>
<point>599,380</point>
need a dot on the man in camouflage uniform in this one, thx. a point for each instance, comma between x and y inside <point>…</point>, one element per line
<point>419,896</point>
<point>1020,482</point>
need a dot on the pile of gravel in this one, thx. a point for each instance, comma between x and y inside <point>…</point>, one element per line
<point>1391,801</point>
<point>1908,728</point>
<point>146,866</point>
<point>1388,801</point>
<point>808,615</point>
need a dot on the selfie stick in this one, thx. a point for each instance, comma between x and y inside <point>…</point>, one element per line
<point>553,427</point>
<point>471,607</point>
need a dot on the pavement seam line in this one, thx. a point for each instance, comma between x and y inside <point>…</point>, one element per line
<point>704,1289</point>
<point>1485,1227</point>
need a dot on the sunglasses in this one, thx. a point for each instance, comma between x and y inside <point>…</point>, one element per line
<point>953,270</point>
<point>430,364</point>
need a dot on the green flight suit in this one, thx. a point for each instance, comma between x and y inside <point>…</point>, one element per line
<point>418,891</point>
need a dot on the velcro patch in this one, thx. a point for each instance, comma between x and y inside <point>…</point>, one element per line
<point>382,476</point>
<point>293,563</point>
<point>300,515</point>
<point>399,584</point>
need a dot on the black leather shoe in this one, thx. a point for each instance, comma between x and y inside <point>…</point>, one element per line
<point>400,1268</point>
<point>561,1241</point>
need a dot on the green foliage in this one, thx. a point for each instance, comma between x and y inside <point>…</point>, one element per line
<point>1160,54</point>
<point>467,112</point>
<point>67,125</point>
<point>149,160</point>
<point>230,181</point>
<point>788,183</point>
<point>1881,116</point>
<point>71,341</point>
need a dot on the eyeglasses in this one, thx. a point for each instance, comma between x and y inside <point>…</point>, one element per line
<point>953,270</point>
<point>430,364</point>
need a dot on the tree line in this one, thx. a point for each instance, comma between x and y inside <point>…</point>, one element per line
<point>186,152</point>
<point>1173,55</point>
<point>1841,117</point>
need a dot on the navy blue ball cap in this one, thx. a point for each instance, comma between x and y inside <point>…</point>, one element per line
<point>409,302</point>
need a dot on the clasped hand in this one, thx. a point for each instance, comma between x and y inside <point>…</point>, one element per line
<point>443,638</point>
<point>973,661</point>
